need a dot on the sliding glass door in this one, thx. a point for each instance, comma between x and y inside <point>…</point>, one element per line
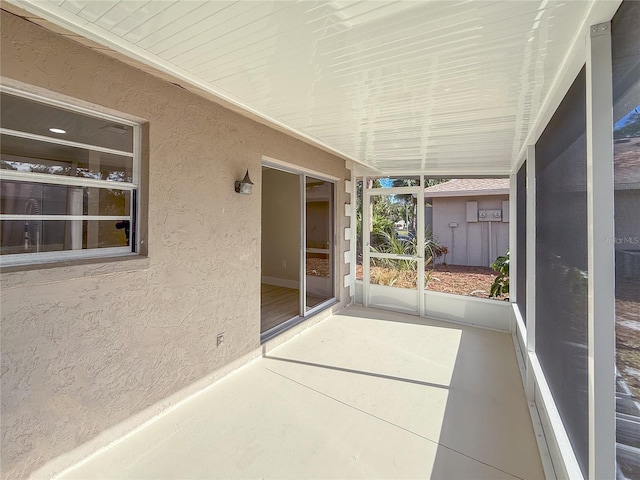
<point>298,247</point>
<point>319,251</point>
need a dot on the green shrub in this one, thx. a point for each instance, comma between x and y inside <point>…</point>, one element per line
<point>500,285</point>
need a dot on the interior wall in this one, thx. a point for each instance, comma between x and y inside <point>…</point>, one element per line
<point>281,228</point>
<point>88,350</point>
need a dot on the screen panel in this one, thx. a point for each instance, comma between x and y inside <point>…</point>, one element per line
<point>467,236</point>
<point>561,264</point>
<point>625,40</point>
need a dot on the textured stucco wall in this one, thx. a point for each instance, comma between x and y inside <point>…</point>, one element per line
<point>471,241</point>
<point>88,347</point>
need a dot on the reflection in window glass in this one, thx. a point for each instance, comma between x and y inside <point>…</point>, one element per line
<point>27,198</point>
<point>26,155</point>
<point>319,238</point>
<point>391,182</point>
<point>38,236</point>
<point>23,115</point>
<point>61,169</point>
<point>626,158</point>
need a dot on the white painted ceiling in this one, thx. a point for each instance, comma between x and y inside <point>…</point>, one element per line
<point>397,85</point>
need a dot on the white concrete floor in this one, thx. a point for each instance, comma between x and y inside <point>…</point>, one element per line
<point>364,394</point>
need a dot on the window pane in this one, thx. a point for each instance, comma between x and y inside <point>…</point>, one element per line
<point>35,236</point>
<point>389,182</point>
<point>319,238</point>
<point>466,231</point>
<point>561,264</point>
<point>281,231</point>
<point>23,198</point>
<point>626,157</point>
<point>28,116</point>
<point>27,155</point>
<point>393,224</point>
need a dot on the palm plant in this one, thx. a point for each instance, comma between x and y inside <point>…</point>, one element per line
<point>390,243</point>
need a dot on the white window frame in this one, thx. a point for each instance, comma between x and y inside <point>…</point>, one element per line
<point>32,177</point>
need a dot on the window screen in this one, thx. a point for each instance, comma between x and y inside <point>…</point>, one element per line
<point>625,40</point>
<point>561,263</point>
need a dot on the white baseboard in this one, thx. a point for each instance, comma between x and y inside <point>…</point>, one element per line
<point>556,453</point>
<point>281,282</point>
<point>477,312</point>
<point>538,430</point>
<point>541,440</point>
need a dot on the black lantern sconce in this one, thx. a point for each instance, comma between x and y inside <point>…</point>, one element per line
<point>244,185</point>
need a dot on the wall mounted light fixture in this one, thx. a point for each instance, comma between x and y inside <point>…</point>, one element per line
<point>244,185</point>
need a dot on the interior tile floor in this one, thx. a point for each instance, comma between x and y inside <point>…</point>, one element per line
<point>364,394</point>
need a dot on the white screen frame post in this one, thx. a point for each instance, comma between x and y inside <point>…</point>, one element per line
<point>513,247</point>
<point>601,254</point>
<point>531,270</point>
<point>366,229</point>
<point>420,252</point>
<point>302,252</point>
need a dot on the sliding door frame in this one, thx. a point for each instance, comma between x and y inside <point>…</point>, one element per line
<point>333,247</point>
<point>303,313</point>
